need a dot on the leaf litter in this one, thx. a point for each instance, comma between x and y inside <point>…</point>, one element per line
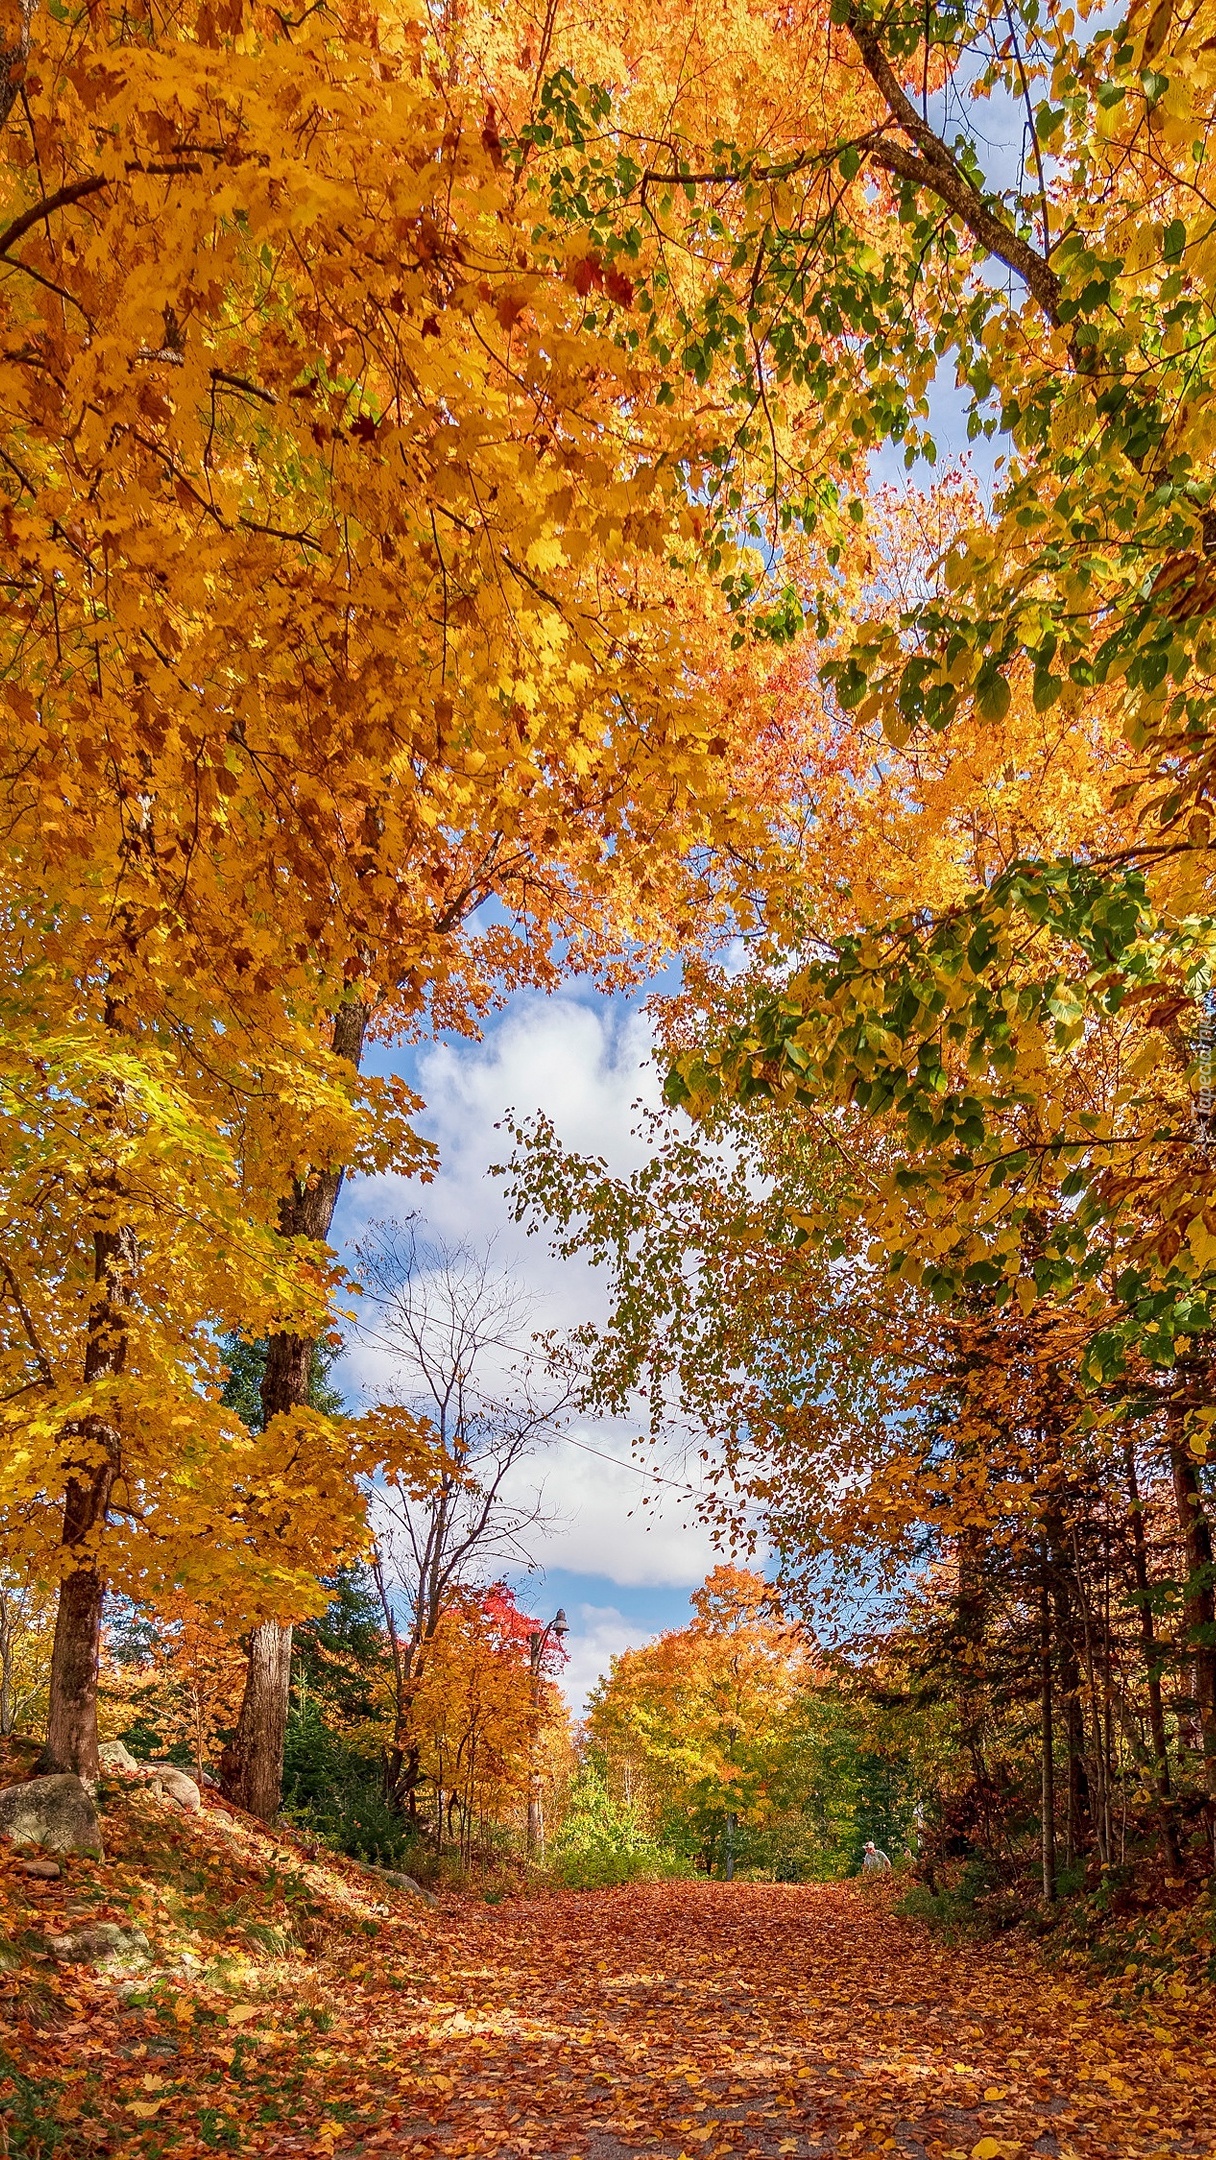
<point>294,2006</point>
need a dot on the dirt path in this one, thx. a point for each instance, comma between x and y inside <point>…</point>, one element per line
<point>293,2006</point>
<point>700,2020</point>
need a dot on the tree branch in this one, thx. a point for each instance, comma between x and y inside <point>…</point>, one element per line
<point>28,1326</point>
<point>953,188</point>
<point>931,165</point>
<point>74,192</point>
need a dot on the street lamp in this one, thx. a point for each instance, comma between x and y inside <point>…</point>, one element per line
<point>538,1643</point>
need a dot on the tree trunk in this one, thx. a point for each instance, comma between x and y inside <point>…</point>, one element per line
<point>7,1645</point>
<point>403,1776</point>
<point>1152,1668</point>
<point>71,1733</point>
<point>251,1766</point>
<point>1100,1813</point>
<point>534,1836</point>
<point>1199,1606</point>
<point>14,52</point>
<point>1048,1803</point>
<point>1074,1724</point>
<point>403,1760</point>
<point>970,1654</point>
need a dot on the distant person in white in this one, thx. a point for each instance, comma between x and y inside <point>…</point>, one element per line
<point>872,1860</point>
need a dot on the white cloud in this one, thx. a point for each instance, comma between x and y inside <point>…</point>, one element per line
<point>613,1520</point>
<point>586,1065</point>
<point>598,1633</point>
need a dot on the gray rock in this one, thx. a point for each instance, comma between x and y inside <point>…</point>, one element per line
<point>403,1882</point>
<point>406,1882</point>
<point>55,1812</point>
<point>166,1778</point>
<point>102,1939</point>
<point>40,1870</point>
<point>115,1755</point>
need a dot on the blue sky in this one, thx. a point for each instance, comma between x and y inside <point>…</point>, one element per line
<point>622,1572</point>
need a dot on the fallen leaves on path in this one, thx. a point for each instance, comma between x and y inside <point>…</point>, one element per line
<point>750,2019</point>
<point>687,2020</point>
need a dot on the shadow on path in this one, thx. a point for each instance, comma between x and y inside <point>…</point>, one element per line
<point>693,2020</point>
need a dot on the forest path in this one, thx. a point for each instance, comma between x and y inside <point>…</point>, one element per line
<point>689,2019</point>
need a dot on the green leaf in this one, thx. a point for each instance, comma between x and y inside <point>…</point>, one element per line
<point>1047,688</point>
<point>992,697</point>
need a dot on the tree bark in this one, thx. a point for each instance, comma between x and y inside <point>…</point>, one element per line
<point>1100,1810</point>
<point>1199,1603</point>
<point>931,164</point>
<point>15,19</point>
<point>71,1733</point>
<point>7,1641</point>
<point>251,1766</point>
<point>1152,1668</point>
<point>1074,1725</point>
<point>1047,1732</point>
<point>403,1760</point>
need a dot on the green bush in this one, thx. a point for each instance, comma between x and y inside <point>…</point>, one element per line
<point>602,1869</point>
<point>332,1790</point>
<point>602,1842</point>
<point>945,1909</point>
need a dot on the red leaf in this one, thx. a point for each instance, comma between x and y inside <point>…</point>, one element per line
<point>587,272</point>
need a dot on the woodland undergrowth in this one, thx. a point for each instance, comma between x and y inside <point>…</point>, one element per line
<point>1146,1938</point>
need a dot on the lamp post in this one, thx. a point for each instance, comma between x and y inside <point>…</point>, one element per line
<point>538,1643</point>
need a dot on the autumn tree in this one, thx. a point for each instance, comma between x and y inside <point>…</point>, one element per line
<point>346,606</point>
<point>818,1282</point>
<point>451,1331</point>
<point>1084,588</point>
<point>26,1621</point>
<point>481,1734</point>
<point>698,1716</point>
<point>175,1682</point>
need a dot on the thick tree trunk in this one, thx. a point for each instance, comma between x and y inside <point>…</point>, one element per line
<point>251,1766</point>
<point>71,1733</point>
